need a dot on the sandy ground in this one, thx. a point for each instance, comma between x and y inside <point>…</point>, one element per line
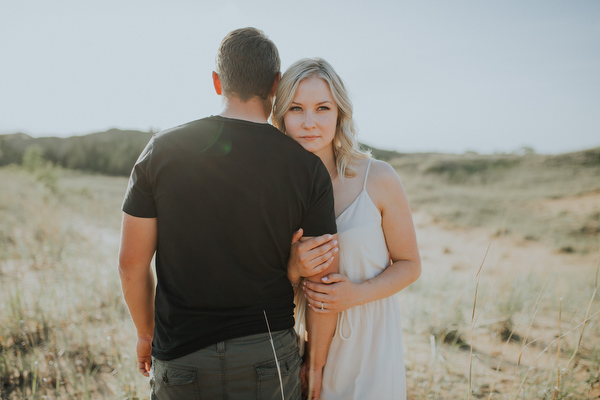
<point>443,249</point>
<point>455,254</point>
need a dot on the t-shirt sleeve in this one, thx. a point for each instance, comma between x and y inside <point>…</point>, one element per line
<point>139,198</point>
<point>319,217</point>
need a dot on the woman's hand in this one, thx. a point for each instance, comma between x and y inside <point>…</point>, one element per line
<point>310,256</point>
<point>336,294</point>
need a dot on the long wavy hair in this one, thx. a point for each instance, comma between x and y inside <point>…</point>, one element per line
<point>345,144</point>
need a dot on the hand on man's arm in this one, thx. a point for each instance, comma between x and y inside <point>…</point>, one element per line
<point>138,245</point>
<point>310,255</point>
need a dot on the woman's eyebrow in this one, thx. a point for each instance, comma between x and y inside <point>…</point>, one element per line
<point>319,103</point>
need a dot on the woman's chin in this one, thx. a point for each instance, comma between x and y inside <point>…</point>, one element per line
<point>310,147</point>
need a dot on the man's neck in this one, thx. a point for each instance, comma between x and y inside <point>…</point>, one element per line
<point>253,110</point>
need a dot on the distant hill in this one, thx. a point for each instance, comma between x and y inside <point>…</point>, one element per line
<point>112,152</point>
<point>115,151</point>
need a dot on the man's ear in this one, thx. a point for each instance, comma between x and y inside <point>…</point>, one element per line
<point>275,83</point>
<point>216,82</point>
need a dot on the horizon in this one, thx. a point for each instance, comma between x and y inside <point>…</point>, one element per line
<point>517,151</point>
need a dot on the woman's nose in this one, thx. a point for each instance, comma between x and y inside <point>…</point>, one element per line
<point>309,120</point>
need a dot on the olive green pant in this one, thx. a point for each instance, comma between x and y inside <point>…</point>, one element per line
<point>237,369</point>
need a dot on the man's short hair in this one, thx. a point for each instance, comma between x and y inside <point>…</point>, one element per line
<point>247,64</point>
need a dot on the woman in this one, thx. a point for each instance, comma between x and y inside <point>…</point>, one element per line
<point>377,244</point>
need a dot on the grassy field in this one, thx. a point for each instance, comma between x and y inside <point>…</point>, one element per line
<point>65,332</point>
<point>520,325</point>
<point>506,306</point>
<point>553,199</point>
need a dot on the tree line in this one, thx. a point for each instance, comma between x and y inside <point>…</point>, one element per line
<point>113,152</point>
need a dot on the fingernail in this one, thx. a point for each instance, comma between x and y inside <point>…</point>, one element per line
<point>324,279</point>
<point>330,237</point>
<point>335,242</point>
<point>336,249</point>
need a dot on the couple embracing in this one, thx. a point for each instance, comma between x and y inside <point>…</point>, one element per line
<point>254,299</point>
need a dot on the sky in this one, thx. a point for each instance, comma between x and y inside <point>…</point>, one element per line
<point>424,76</point>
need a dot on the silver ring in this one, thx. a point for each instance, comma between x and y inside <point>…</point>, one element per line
<point>322,306</point>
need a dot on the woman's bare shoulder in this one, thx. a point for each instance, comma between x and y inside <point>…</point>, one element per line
<point>382,173</point>
<point>384,185</point>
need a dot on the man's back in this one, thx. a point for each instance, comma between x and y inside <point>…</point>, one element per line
<point>217,201</point>
<point>227,195</point>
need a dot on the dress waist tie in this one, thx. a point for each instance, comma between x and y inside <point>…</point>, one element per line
<point>345,323</point>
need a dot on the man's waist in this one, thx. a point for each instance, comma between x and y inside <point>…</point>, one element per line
<point>171,342</point>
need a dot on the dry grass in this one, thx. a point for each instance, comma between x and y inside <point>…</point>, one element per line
<point>523,324</point>
<point>65,332</point>
<point>552,199</point>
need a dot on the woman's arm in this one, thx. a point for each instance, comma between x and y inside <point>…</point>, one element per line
<point>320,328</point>
<point>314,258</point>
<point>337,291</point>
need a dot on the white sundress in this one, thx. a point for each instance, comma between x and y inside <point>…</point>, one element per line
<point>366,357</point>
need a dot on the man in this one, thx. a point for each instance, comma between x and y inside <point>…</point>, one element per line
<point>218,201</point>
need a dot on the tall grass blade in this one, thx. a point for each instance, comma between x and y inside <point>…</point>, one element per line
<point>536,308</point>
<point>586,316</point>
<point>473,320</point>
<point>556,390</point>
<point>547,347</point>
<point>275,355</point>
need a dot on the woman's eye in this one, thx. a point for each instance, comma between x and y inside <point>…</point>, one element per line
<point>295,108</point>
<point>323,108</point>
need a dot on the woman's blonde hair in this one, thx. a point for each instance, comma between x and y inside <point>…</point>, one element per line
<point>345,145</point>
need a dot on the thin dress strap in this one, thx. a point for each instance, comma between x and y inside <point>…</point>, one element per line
<point>367,174</point>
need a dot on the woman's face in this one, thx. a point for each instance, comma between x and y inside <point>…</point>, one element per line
<point>312,117</point>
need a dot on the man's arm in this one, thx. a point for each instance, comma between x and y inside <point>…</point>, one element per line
<point>138,244</point>
<point>320,328</point>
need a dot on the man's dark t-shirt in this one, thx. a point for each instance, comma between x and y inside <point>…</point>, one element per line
<point>228,195</point>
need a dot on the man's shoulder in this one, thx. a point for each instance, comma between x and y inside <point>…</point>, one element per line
<point>269,138</point>
<point>182,128</point>
<point>220,123</point>
<point>188,134</point>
